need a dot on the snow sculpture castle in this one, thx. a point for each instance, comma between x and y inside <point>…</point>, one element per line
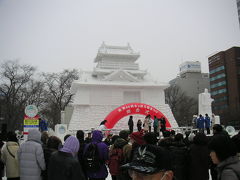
<point>116,80</point>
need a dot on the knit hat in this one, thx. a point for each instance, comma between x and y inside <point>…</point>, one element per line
<point>71,145</point>
<point>150,159</point>
<point>138,137</point>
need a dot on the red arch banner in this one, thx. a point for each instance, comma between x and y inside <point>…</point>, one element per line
<point>132,108</point>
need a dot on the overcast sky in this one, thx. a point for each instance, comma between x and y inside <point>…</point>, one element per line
<point>53,35</point>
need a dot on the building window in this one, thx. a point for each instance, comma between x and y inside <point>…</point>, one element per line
<point>214,59</point>
<point>217,69</point>
<point>224,98</point>
<point>218,84</point>
<point>220,107</point>
<point>218,77</point>
<point>220,91</point>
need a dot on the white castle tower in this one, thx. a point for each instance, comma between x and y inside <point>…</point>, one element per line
<point>116,80</point>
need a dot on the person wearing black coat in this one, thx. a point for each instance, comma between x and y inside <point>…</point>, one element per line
<point>130,124</point>
<point>217,130</point>
<point>199,159</point>
<point>179,155</point>
<point>82,144</point>
<point>63,164</point>
<point>52,145</point>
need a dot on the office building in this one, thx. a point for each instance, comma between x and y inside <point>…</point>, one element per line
<point>191,80</point>
<point>224,70</point>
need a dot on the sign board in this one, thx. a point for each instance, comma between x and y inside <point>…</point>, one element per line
<point>31,110</point>
<point>61,130</point>
<point>190,66</point>
<point>133,108</point>
<point>30,123</point>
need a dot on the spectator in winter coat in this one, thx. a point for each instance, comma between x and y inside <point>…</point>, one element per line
<point>223,153</point>
<point>139,125</point>
<point>217,130</point>
<point>114,138</point>
<point>63,164</point>
<point>179,155</point>
<point>163,124</point>
<point>102,125</point>
<point>108,140</point>
<point>52,145</point>
<point>9,157</point>
<point>103,151</point>
<point>150,162</point>
<point>43,125</point>
<point>116,159</point>
<point>199,159</point>
<point>80,137</point>
<point>207,122</point>
<point>127,149</point>
<point>137,140</point>
<point>82,143</point>
<point>31,158</point>
<point>167,139</point>
<point>130,124</point>
<point>150,138</point>
<point>88,139</point>
<point>44,138</point>
<point>200,123</point>
<point>186,140</point>
<point>148,123</point>
<point>155,125</point>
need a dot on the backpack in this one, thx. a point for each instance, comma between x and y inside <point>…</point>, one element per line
<point>91,159</point>
<point>116,159</point>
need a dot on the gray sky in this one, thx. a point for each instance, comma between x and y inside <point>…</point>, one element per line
<point>56,34</point>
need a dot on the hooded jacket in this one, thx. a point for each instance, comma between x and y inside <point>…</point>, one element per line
<point>229,169</point>
<point>9,157</point>
<point>31,158</point>
<point>71,145</point>
<point>103,154</point>
<point>63,164</point>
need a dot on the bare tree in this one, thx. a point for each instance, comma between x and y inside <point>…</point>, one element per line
<point>34,93</point>
<point>183,106</point>
<point>59,96</point>
<point>14,79</point>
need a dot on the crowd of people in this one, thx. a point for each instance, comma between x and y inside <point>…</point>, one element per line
<point>139,155</point>
<point>159,124</point>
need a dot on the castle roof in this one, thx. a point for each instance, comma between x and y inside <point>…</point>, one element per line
<point>116,53</point>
